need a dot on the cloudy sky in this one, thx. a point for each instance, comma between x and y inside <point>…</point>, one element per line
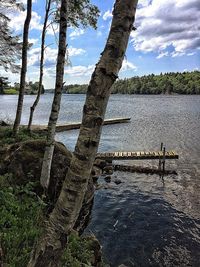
<point>167,39</point>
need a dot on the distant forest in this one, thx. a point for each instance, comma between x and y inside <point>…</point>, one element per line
<point>169,83</point>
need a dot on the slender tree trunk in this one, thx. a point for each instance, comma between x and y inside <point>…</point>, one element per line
<point>32,108</point>
<point>23,69</point>
<point>49,249</point>
<point>46,165</point>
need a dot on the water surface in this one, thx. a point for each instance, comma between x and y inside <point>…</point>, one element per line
<point>146,220</point>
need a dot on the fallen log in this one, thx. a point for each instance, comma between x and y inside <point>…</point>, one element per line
<point>140,169</point>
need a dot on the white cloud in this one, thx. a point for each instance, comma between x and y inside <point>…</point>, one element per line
<point>177,54</point>
<point>162,54</point>
<point>163,24</point>
<point>127,65</point>
<point>107,15</point>
<point>33,41</point>
<point>75,51</point>
<point>18,18</point>
<point>76,33</point>
<point>86,71</point>
<point>33,56</point>
<point>99,33</point>
<point>80,70</point>
<point>52,29</point>
<point>143,3</point>
<point>25,1</point>
<point>50,55</point>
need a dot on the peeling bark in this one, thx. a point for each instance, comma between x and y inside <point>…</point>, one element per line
<point>32,108</point>
<point>23,68</point>
<point>48,155</point>
<point>63,217</point>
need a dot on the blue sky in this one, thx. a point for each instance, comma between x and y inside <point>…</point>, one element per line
<point>167,39</point>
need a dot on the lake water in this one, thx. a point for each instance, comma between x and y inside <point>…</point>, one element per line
<point>145,220</point>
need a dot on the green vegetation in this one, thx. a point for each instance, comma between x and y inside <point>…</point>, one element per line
<point>78,253</point>
<point>75,89</point>
<point>4,84</point>
<point>6,135</point>
<point>20,217</point>
<point>22,214</point>
<point>30,88</point>
<point>178,83</point>
<point>11,91</point>
<point>168,83</point>
<point>21,222</point>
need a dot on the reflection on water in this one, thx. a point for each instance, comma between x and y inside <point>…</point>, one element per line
<point>157,222</point>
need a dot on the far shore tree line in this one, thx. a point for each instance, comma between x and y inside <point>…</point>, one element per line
<point>187,83</point>
<point>31,88</point>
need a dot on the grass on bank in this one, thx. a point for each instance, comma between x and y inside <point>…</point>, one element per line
<point>21,223</point>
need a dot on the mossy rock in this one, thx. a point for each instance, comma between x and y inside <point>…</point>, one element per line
<point>24,162</point>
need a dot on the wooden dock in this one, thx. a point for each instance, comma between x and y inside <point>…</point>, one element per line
<point>140,155</point>
<point>73,126</point>
<point>160,155</point>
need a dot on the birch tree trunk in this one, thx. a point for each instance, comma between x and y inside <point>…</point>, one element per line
<point>23,69</point>
<point>62,219</point>
<point>48,154</point>
<point>32,108</point>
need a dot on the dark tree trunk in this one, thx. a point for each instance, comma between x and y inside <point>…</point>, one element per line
<point>23,69</point>
<point>62,219</point>
<point>32,108</point>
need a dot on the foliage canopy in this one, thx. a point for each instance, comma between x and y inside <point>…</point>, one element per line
<point>10,45</point>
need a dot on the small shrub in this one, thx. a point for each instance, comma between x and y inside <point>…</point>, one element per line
<point>78,252</point>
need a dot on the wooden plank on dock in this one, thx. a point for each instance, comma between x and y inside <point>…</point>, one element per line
<point>73,126</point>
<point>139,155</point>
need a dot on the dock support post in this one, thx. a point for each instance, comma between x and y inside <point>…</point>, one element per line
<point>163,161</point>
<point>109,161</point>
<point>161,146</point>
<point>159,164</point>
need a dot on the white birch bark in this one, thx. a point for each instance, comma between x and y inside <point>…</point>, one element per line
<point>48,155</point>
